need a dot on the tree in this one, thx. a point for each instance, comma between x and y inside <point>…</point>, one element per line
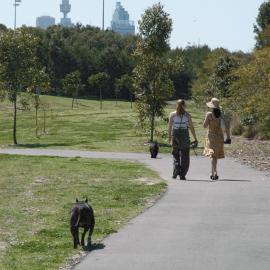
<point>216,75</point>
<point>223,77</point>
<point>3,27</point>
<point>99,81</point>
<point>151,75</point>
<point>17,65</point>
<point>125,88</point>
<point>262,29</point>
<point>72,85</point>
<point>40,84</point>
<point>250,93</point>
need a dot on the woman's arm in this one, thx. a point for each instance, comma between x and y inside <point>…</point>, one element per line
<point>191,126</point>
<point>170,128</point>
<point>206,120</point>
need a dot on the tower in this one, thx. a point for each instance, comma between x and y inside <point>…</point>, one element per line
<point>65,8</point>
<point>120,22</point>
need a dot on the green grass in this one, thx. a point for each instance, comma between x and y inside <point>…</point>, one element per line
<point>115,128</point>
<point>37,194</point>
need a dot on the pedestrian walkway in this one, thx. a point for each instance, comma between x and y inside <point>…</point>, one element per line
<point>197,225</point>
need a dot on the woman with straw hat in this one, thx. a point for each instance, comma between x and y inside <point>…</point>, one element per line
<point>214,143</point>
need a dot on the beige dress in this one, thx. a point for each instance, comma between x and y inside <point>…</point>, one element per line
<point>214,142</point>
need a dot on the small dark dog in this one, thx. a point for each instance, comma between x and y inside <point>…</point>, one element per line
<point>82,216</point>
<point>154,148</point>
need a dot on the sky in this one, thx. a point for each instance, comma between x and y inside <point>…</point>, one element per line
<point>217,23</point>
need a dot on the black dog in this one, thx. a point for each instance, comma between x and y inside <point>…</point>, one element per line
<point>154,148</point>
<point>82,216</point>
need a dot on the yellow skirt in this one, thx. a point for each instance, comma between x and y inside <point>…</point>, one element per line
<point>214,146</point>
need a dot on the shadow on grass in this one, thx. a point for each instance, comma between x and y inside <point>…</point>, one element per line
<point>40,145</point>
<point>165,145</point>
<point>95,246</point>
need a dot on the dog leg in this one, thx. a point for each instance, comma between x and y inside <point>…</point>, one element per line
<point>83,235</point>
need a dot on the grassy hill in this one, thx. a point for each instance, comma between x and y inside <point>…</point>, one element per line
<point>86,127</point>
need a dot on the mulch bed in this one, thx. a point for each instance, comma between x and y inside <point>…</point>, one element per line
<point>254,153</point>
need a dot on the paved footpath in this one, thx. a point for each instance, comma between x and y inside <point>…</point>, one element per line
<point>197,225</point>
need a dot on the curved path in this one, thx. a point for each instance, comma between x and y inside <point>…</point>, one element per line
<point>198,225</point>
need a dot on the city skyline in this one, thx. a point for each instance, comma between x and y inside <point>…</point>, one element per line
<point>217,23</point>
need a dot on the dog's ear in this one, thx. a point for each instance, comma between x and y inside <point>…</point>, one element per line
<point>77,200</point>
<point>86,200</point>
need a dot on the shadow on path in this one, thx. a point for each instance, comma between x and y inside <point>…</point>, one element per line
<point>220,180</point>
<point>95,246</point>
<point>39,145</point>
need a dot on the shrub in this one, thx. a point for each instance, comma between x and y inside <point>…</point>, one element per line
<point>250,132</point>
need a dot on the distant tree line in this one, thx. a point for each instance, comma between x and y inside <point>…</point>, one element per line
<point>88,51</point>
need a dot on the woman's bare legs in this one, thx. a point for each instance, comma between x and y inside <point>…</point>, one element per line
<point>214,166</point>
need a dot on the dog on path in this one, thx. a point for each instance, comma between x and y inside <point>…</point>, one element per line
<point>82,216</point>
<point>154,148</point>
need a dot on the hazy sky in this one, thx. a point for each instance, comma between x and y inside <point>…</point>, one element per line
<point>226,23</point>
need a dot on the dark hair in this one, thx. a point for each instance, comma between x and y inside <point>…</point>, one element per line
<point>217,112</point>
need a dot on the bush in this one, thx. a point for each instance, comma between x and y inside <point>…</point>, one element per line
<point>250,132</point>
<point>237,128</point>
<point>264,129</point>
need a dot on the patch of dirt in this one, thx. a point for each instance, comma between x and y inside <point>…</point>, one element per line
<point>40,180</point>
<point>75,259</point>
<point>3,246</point>
<point>147,181</point>
<point>30,210</point>
<point>254,153</point>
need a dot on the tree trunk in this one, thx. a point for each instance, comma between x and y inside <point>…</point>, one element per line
<point>152,126</point>
<point>44,121</point>
<point>131,101</point>
<point>36,121</point>
<point>15,120</point>
<point>100,98</point>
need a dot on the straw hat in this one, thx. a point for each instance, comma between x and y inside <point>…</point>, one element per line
<point>214,103</point>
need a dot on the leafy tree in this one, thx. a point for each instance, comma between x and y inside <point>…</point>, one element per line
<point>40,84</point>
<point>250,93</point>
<point>192,58</point>
<point>99,81</point>
<point>72,85</point>
<point>151,75</point>
<point>222,78</point>
<point>125,88</point>
<point>262,29</point>
<point>216,75</point>
<point>18,63</point>
<point>3,27</point>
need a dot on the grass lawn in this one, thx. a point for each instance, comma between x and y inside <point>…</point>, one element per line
<point>115,128</point>
<point>37,194</point>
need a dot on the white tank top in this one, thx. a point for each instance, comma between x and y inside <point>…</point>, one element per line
<point>180,121</point>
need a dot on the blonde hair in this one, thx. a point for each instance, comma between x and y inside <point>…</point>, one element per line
<point>180,104</point>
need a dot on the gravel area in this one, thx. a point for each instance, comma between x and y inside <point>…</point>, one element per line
<point>254,153</point>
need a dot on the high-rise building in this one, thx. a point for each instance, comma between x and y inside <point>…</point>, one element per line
<point>120,22</point>
<point>65,8</point>
<point>45,21</point>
